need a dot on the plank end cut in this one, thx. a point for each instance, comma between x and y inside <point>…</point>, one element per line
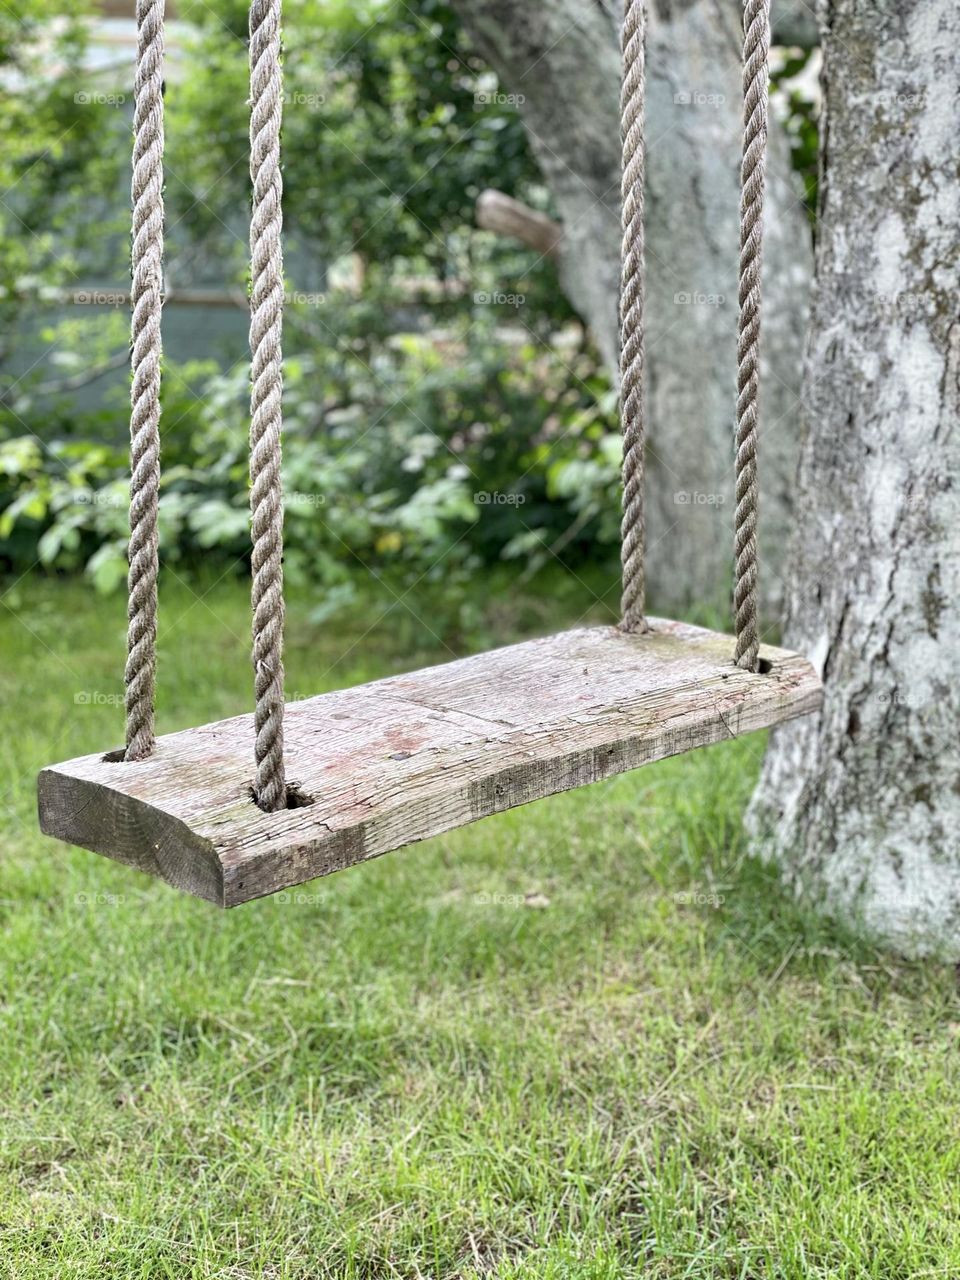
<point>390,763</point>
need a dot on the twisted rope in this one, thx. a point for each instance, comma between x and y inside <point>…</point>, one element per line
<point>756,46</point>
<point>266,319</point>
<point>632,530</point>
<point>147,301</point>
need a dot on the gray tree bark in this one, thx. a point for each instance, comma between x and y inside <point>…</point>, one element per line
<point>562,57</point>
<point>861,805</point>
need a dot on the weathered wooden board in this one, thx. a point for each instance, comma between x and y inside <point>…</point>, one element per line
<point>390,763</point>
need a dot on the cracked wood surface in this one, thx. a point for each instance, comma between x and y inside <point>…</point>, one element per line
<point>390,763</point>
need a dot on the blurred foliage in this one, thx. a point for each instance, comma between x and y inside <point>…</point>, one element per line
<point>391,130</point>
<point>59,148</point>
<point>424,435</point>
<point>450,414</point>
<point>801,119</point>
<point>419,456</point>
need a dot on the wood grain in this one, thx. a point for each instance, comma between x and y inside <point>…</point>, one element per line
<point>390,763</point>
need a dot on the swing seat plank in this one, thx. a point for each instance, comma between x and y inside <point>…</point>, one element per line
<point>390,763</point>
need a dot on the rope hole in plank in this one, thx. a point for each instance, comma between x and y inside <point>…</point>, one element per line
<point>294,798</point>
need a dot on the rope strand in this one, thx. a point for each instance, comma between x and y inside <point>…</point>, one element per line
<point>756,47</point>
<point>146,349</point>
<point>266,320</point>
<point>632,531</point>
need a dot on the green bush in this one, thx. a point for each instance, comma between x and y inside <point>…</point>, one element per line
<point>415,454</point>
<point>423,437</point>
<point>59,151</point>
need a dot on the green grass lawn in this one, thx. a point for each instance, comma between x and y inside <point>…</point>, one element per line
<point>589,1038</point>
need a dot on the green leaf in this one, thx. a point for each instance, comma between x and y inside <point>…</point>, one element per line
<point>108,567</point>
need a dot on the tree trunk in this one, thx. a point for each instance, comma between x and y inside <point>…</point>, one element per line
<point>561,57</point>
<point>861,805</point>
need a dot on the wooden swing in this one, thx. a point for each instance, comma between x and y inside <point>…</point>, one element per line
<point>389,763</point>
